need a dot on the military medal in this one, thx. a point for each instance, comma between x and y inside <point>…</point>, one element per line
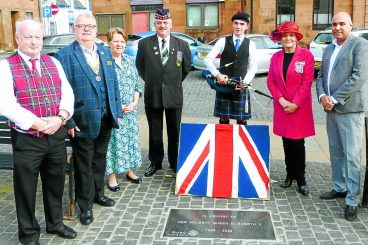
<point>179,58</point>
<point>98,78</point>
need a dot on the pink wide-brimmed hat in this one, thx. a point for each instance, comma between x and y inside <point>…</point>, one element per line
<point>286,27</point>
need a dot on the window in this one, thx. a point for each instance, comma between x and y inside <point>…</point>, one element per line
<point>285,10</point>
<point>29,16</point>
<point>322,13</point>
<point>106,21</point>
<point>202,15</point>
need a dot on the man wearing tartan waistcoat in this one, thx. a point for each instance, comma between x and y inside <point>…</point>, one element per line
<point>36,97</point>
<point>90,69</point>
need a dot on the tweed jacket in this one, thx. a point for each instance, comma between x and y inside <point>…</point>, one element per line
<point>349,74</point>
<point>87,115</point>
<point>296,87</point>
<point>163,84</point>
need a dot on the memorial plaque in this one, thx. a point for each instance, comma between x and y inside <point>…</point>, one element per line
<point>224,224</point>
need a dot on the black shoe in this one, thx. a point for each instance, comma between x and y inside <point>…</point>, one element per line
<point>351,212</point>
<point>64,232</point>
<point>86,217</point>
<point>137,180</point>
<point>105,201</point>
<point>303,189</point>
<point>173,167</point>
<point>286,183</point>
<point>151,171</point>
<point>333,194</point>
<point>113,188</point>
<point>32,243</point>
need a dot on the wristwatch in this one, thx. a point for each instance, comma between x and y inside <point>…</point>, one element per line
<point>63,120</point>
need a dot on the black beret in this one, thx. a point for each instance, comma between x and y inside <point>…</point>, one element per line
<point>240,16</point>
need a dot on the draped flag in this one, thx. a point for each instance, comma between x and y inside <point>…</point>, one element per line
<point>223,160</point>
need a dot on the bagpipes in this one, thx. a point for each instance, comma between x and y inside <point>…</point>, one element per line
<point>230,86</point>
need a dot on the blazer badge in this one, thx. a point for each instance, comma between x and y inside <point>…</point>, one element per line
<point>299,66</point>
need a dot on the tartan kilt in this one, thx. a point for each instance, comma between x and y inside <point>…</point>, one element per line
<point>232,105</point>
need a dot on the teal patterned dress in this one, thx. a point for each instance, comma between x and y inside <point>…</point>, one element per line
<point>124,151</point>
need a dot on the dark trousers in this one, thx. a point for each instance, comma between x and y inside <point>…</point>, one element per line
<point>90,164</point>
<point>33,156</point>
<point>155,125</point>
<point>294,150</point>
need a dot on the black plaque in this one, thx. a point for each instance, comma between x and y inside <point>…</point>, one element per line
<point>225,224</point>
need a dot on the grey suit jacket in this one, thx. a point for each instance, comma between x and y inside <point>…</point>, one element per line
<point>349,75</point>
<point>163,84</point>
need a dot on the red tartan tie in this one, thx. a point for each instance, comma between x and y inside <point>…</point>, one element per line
<point>34,67</point>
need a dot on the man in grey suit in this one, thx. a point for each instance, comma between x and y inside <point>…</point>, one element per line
<point>342,89</point>
<point>163,61</point>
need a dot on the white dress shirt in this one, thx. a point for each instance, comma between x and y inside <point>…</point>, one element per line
<point>167,43</point>
<point>91,55</point>
<point>9,106</point>
<point>218,48</point>
<point>332,62</point>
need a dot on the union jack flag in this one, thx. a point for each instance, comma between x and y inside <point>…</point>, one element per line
<point>219,160</point>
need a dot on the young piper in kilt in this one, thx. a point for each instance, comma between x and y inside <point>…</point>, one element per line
<point>36,97</point>
<point>238,59</point>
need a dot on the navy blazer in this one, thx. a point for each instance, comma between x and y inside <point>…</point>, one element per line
<point>87,115</point>
<point>163,84</point>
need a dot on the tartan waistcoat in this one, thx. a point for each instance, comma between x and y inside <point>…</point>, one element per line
<point>38,93</point>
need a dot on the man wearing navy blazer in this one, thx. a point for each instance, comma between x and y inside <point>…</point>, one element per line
<point>342,89</point>
<point>90,70</point>
<point>163,61</point>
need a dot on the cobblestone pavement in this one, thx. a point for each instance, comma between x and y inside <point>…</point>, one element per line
<point>141,211</point>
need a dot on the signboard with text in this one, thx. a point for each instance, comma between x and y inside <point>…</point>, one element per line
<point>226,224</point>
<point>46,12</point>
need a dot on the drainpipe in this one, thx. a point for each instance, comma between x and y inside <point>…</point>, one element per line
<point>251,16</point>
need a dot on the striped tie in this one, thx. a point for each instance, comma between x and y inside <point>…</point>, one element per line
<point>164,53</point>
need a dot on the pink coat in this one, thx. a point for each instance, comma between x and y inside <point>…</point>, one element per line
<point>296,89</point>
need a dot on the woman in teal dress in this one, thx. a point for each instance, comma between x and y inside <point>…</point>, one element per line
<point>124,151</point>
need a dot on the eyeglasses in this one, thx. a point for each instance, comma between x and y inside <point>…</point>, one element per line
<point>84,26</point>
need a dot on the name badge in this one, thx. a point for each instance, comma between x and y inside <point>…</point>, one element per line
<point>109,62</point>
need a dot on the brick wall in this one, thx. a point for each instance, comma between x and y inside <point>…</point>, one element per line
<point>10,12</point>
<point>264,15</point>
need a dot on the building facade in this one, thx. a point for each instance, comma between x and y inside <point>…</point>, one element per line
<point>199,18</point>
<point>212,18</point>
<point>63,21</point>
<point>12,11</point>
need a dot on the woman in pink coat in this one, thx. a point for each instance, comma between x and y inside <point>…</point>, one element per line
<point>290,80</point>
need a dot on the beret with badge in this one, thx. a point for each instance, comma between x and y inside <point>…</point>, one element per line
<point>162,14</point>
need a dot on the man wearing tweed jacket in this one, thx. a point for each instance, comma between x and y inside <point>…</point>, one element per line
<point>90,70</point>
